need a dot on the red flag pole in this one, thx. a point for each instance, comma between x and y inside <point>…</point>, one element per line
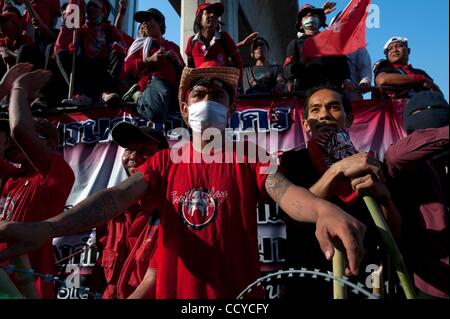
<point>74,45</point>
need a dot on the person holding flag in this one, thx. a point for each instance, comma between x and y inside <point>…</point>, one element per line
<point>305,72</point>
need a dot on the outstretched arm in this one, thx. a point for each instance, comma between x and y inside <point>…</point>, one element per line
<point>332,223</point>
<point>248,40</point>
<point>123,5</point>
<point>11,75</point>
<point>94,211</point>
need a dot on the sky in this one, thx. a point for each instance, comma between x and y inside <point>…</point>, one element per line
<point>425,26</point>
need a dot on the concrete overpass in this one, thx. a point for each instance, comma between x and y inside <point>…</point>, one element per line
<point>274,20</point>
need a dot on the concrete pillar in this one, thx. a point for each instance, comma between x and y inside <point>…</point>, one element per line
<point>188,8</point>
<point>230,18</point>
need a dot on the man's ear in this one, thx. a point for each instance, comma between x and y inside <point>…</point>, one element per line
<point>349,121</point>
<point>409,51</point>
<point>184,110</point>
<point>306,126</point>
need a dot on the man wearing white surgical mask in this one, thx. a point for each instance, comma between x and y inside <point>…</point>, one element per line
<point>207,105</point>
<point>304,73</point>
<point>207,242</point>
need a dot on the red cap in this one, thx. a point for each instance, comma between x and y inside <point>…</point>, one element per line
<point>13,17</point>
<point>217,7</point>
<point>310,8</point>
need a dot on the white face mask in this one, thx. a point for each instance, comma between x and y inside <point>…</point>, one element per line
<point>207,114</point>
<point>311,23</point>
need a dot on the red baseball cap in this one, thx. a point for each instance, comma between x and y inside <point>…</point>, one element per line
<point>307,8</point>
<point>13,17</point>
<point>217,7</point>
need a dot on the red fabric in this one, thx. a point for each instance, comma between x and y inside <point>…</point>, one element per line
<point>35,197</point>
<point>128,40</point>
<point>345,36</point>
<point>197,51</point>
<point>116,249</point>
<point>95,42</point>
<point>14,18</point>
<point>141,257</point>
<point>15,44</point>
<point>164,70</point>
<point>219,258</point>
<point>423,205</point>
<point>215,6</point>
<point>48,11</point>
<point>419,78</point>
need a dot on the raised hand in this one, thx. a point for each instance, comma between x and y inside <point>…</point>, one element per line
<point>13,74</point>
<point>329,7</point>
<point>33,82</point>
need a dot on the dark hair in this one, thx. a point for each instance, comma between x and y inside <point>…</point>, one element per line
<point>345,100</point>
<point>198,23</point>
<point>64,6</point>
<point>259,40</point>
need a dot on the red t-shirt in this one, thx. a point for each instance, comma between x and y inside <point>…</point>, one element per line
<point>48,11</point>
<point>97,40</point>
<point>118,244</point>
<point>200,52</point>
<point>165,70</point>
<point>207,241</point>
<point>36,197</point>
<point>140,257</point>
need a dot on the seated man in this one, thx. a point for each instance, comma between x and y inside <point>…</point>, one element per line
<point>395,72</point>
<point>157,63</point>
<point>262,77</point>
<point>207,241</point>
<point>414,163</point>
<point>342,180</point>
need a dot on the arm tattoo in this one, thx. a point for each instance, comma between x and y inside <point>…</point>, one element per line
<point>96,211</point>
<point>276,186</point>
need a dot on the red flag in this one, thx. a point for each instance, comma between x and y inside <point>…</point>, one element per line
<point>346,35</point>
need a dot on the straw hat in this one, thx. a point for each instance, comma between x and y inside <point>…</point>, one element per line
<point>227,75</point>
<point>224,74</point>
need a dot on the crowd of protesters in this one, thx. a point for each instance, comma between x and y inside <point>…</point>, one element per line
<point>148,250</point>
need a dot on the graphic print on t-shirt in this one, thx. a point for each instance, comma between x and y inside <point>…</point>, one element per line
<point>198,206</point>
<point>7,205</point>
